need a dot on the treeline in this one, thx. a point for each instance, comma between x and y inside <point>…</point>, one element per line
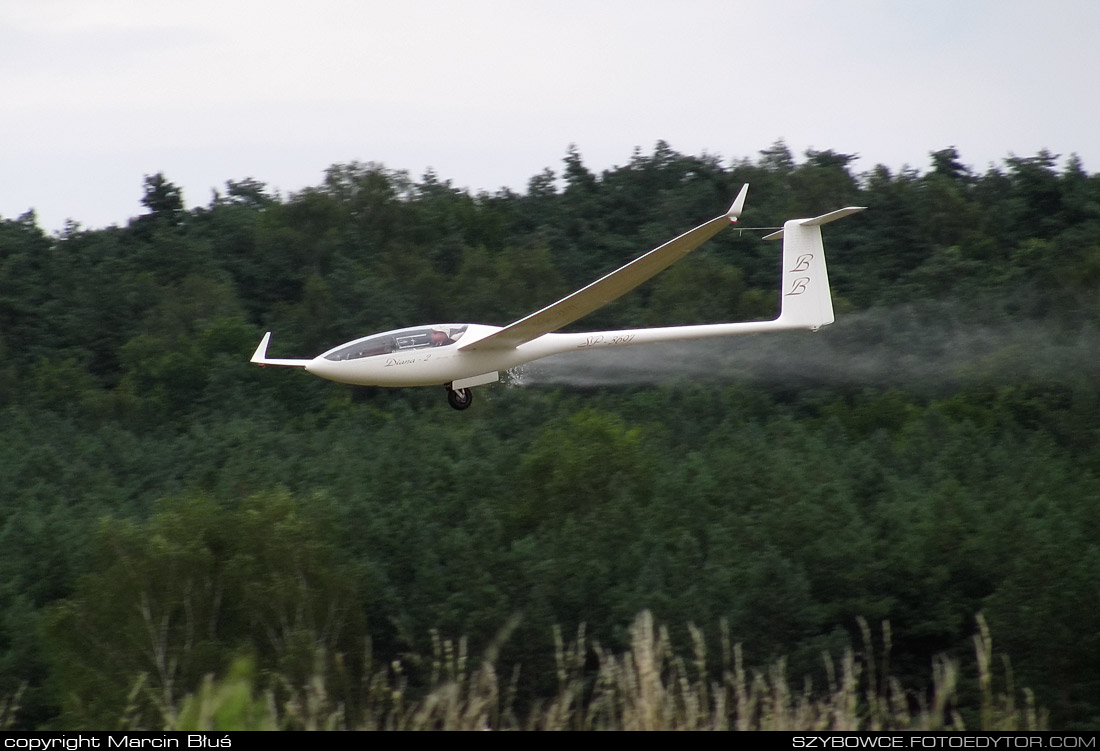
<point>167,507</point>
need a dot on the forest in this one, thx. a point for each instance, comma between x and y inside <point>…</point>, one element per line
<point>168,509</point>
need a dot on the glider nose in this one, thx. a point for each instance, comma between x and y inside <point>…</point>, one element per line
<point>319,366</point>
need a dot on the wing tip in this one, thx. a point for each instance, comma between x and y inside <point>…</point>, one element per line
<point>261,351</point>
<point>738,204</point>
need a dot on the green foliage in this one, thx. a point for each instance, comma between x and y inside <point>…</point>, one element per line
<point>574,471</point>
<point>932,456</point>
<point>171,600</point>
<point>228,704</point>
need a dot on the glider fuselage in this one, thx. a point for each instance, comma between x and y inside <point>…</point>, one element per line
<point>443,364</point>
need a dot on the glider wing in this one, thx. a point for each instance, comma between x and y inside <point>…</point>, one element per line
<point>608,288</point>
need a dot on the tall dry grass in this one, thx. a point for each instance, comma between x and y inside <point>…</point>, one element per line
<point>648,687</point>
<point>9,708</point>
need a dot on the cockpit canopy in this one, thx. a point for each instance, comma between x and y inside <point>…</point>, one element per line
<point>401,340</point>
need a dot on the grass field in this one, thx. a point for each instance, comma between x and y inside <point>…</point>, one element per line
<point>648,687</point>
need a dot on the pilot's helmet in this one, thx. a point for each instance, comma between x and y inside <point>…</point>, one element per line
<point>445,330</point>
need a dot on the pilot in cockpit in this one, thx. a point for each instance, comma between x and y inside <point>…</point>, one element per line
<point>441,336</point>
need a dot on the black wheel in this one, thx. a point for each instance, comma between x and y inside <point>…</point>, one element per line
<point>460,398</point>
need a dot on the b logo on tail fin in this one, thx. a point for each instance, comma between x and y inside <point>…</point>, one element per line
<point>802,263</point>
<point>798,286</point>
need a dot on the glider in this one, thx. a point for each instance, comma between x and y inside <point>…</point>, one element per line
<point>460,356</point>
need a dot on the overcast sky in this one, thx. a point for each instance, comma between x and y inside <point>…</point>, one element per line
<point>98,93</point>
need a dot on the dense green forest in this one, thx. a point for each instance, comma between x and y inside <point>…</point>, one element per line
<point>166,507</point>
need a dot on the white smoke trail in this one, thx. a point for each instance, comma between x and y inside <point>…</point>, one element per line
<point>931,347</point>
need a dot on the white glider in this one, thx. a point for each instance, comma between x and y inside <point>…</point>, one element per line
<point>460,356</point>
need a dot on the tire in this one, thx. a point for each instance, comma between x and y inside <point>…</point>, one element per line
<point>460,398</point>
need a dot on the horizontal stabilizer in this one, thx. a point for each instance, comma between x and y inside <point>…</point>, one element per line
<point>832,216</point>
<point>817,221</point>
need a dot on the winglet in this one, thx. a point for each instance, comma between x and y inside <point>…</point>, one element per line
<point>260,356</point>
<point>738,204</point>
<point>261,352</point>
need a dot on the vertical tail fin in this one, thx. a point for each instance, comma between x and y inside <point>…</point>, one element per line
<point>805,298</point>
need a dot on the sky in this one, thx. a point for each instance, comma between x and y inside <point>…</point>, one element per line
<point>98,94</point>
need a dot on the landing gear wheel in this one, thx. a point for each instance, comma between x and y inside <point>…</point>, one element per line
<point>460,398</point>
